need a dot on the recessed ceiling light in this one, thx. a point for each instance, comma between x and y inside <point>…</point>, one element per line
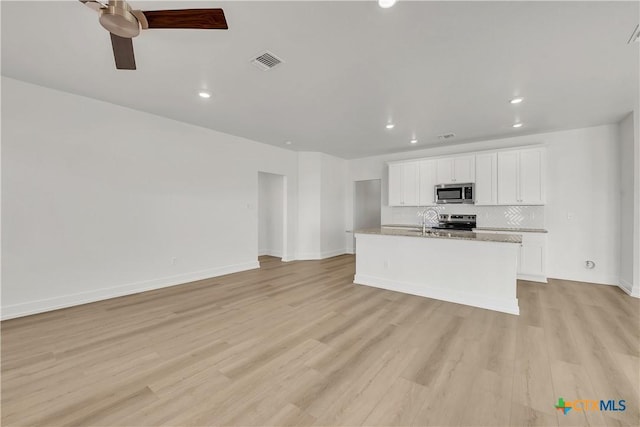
<point>413,141</point>
<point>517,125</point>
<point>204,94</point>
<point>385,4</point>
<point>288,143</point>
<point>517,100</point>
<point>390,126</point>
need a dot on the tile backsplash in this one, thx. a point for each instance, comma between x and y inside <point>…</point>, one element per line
<point>487,216</point>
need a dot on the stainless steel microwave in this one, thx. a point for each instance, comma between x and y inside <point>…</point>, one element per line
<point>455,193</point>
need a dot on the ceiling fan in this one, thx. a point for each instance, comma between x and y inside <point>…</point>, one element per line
<point>124,23</point>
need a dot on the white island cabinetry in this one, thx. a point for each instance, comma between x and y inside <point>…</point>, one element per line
<point>476,272</point>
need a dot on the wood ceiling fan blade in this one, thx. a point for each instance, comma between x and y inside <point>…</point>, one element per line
<point>94,4</point>
<point>211,19</point>
<point>123,52</point>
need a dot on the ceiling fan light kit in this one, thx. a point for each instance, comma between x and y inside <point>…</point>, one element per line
<point>118,19</point>
<point>124,23</point>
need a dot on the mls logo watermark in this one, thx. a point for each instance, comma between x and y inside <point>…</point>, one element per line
<point>580,405</point>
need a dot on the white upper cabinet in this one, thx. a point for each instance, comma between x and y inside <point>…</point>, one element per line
<point>486,179</point>
<point>428,181</point>
<point>459,169</point>
<point>411,184</point>
<point>464,169</point>
<point>508,177</point>
<point>404,184</point>
<point>395,185</point>
<point>445,171</point>
<point>532,176</point>
<point>521,177</point>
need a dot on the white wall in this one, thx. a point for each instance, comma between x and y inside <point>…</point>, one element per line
<point>583,164</point>
<point>333,226</point>
<point>582,179</point>
<point>629,129</point>
<point>309,205</point>
<point>321,198</point>
<point>635,291</point>
<point>270,214</point>
<point>626,202</point>
<point>99,200</point>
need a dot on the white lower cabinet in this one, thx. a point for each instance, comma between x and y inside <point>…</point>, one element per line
<point>532,259</point>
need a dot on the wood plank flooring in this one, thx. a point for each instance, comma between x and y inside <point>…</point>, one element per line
<point>299,344</point>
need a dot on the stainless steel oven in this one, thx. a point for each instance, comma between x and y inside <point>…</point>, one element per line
<point>455,193</point>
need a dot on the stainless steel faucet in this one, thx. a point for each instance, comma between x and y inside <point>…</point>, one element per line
<point>428,214</point>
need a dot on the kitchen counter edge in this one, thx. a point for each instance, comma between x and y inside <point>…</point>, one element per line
<point>508,229</point>
<point>443,234</point>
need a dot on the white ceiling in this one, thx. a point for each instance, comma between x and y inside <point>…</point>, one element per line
<point>430,67</point>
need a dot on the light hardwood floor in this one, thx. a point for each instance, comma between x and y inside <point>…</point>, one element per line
<point>299,344</point>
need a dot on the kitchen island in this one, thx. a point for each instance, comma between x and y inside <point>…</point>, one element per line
<point>463,267</point>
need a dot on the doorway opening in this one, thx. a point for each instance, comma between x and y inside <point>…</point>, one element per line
<point>367,205</point>
<point>272,215</point>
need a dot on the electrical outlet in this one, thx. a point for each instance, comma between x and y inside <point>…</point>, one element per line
<point>173,260</point>
<point>570,216</point>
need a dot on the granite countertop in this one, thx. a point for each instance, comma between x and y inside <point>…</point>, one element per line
<point>510,229</point>
<point>414,231</point>
<point>513,229</point>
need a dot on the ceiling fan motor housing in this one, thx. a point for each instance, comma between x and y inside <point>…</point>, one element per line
<point>118,19</point>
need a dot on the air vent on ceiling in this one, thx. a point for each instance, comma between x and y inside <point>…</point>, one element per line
<point>635,36</point>
<point>447,136</point>
<point>266,61</point>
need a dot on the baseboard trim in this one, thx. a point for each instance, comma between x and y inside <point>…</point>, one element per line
<point>628,288</point>
<point>568,275</point>
<point>40,306</point>
<point>306,256</point>
<point>335,252</point>
<point>269,252</point>
<point>532,278</point>
<point>504,306</point>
